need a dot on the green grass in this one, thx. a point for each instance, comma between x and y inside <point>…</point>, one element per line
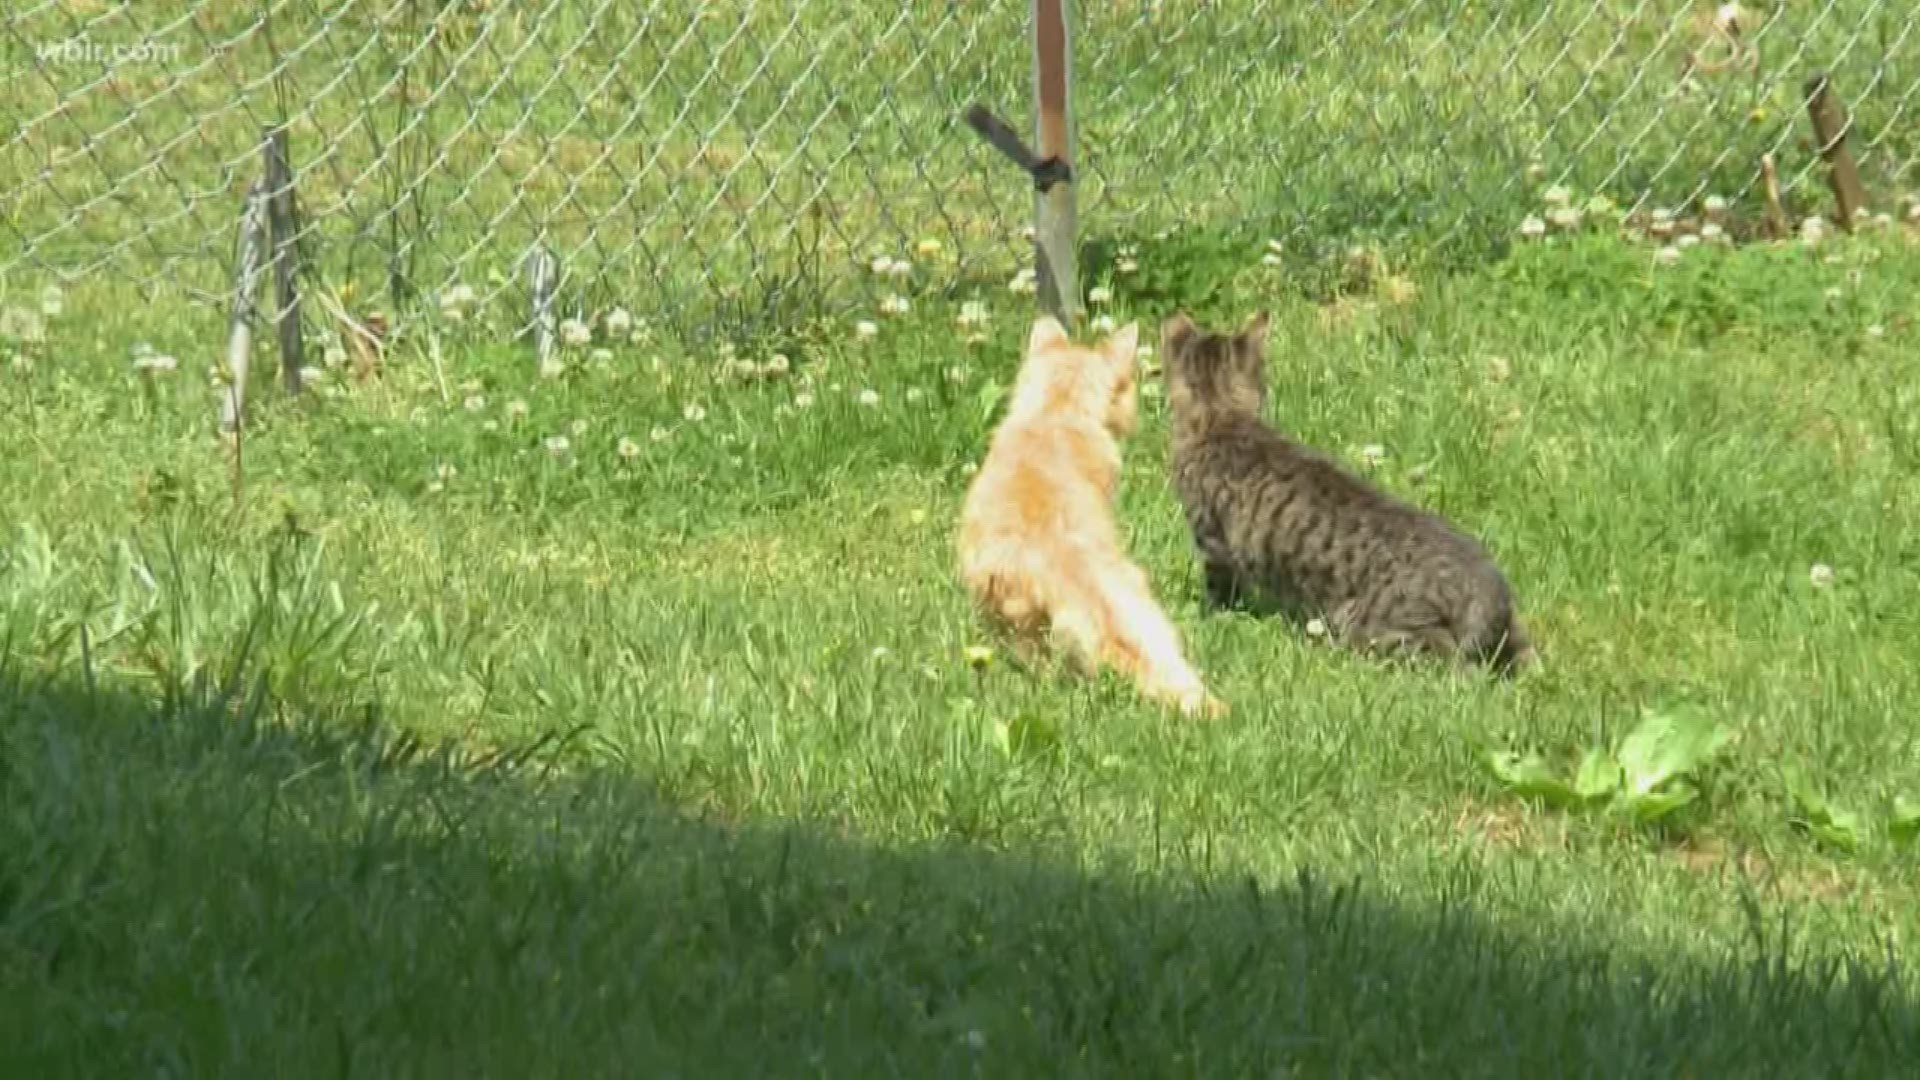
<point>739,163</point>
<point>574,764</point>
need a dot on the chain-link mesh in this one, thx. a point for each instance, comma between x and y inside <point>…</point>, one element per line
<point>748,162</point>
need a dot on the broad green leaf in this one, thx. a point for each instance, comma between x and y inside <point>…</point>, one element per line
<point>1842,831</point>
<point>1599,776</point>
<point>1529,776</point>
<point>1904,824</point>
<point>1668,745</point>
<point>1651,806</point>
<point>1829,823</point>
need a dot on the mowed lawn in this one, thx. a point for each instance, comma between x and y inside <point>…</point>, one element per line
<point>621,723</point>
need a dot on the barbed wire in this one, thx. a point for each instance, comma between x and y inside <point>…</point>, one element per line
<point>756,163</point>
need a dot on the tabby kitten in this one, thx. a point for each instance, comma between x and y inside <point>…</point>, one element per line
<point>1269,514</point>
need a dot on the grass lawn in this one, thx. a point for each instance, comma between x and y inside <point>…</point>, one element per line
<point>618,723</point>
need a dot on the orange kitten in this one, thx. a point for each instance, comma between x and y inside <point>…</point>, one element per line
<point>1039,549</point>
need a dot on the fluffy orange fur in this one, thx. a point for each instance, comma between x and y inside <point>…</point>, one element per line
<point>1039,550</point>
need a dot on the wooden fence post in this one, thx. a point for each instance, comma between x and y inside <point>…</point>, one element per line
<point>286,255</point>
<point>1054,212</point>
<point>1830,125</point>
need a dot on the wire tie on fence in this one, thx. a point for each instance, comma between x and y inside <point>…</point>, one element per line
<point>1045,172</point>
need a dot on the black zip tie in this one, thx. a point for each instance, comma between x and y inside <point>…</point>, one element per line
<point>1045,172</point>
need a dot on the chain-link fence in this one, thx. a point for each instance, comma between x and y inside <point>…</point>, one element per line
<point>751,162</point>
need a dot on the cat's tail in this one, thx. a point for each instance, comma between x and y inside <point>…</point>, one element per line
<point>1515,654</point>
<point>1107,616</point>
<point>1493,634</point>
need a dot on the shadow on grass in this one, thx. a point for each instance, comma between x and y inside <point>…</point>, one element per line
<point>208,887</point>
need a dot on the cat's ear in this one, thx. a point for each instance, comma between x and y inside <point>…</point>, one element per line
<point>1176,332</point>
<point>1253,336</point>
<point>1123,344</point>
<point>1047,334</point>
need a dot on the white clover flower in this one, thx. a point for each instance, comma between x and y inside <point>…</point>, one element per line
<point>445,471</point>
<point>895,305</point>
<point>575,332</point>
<point>458,293</point>
<point>475,402</point>
<point>1024,283</point>
<point>972,313</point>
<point>601,356</point>
<point>1102,324</point>
<point>777,365</point>
<point>1820,575</point>
<point>914,394</point>
<point>803,400</point>
<point>22,324</point>
<point>1275,246</point>
<point>1099,294</point>
<point>310,375</point>
<point>1536,170</point>
<point>552,367</point>
<point>1373,453</point>
<point>1601,206</point>
<point>956,374</point>
<point>870,399</point>
<point>659,433</point>
<point>1711,230</point>
<point>881,264</point>
<point>558,444</point>
<point>1316,628</point>
<point>627,448</point>
<point>1533,227</point>
<point>1563,217</point>
<point>1715,204</point>
<point>1876,330</point>
<point>900,268</point>
<point>1271,259</point>
<point>618,322</point>
<point>1813,229</point>
<point>928,248</point>
<point>1027,233</point>
<point>693,412</point>
<point>161,363</point>
<point>516,409</point>
<point>1685,241</point>
<point>52,301</point>
<point>1557,196</point>
<point>578,427</point>
<point>1667,255</point>
<point>1126,265</point>
<point>333,356</point>
<point>865,329</point>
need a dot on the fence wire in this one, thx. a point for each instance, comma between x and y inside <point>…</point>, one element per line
<point>755,163</point>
